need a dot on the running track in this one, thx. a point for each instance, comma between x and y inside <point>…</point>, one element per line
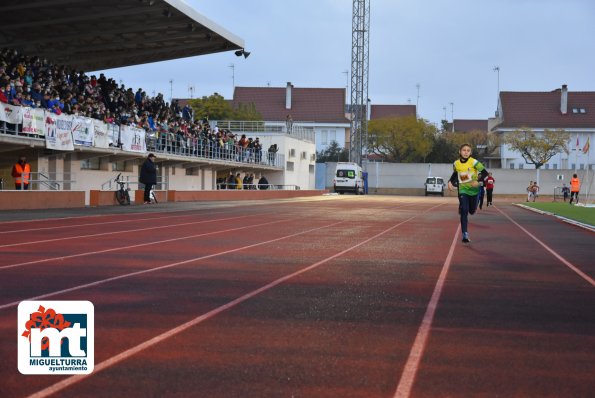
<point>325,297</point>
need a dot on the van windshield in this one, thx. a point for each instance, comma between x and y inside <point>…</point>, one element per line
<point>431,180</point>
<point>346,173</point>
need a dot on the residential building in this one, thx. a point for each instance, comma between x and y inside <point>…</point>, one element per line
<point>321,110</point>
<point>560,109</point>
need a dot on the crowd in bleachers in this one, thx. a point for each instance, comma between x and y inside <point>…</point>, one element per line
<point>37,83</point>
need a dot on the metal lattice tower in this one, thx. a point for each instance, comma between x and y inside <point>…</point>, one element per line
<point>360,41</point>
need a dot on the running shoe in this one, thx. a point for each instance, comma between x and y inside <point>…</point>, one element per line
<point>466,237</point>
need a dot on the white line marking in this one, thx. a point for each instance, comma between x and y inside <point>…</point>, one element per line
<point>146,271</point>
<point>128,220</point>
<point>152,227</point>
<point>419,345</point>
<point>61,258</point>
<point>172,332</point>
<point>546,247</point>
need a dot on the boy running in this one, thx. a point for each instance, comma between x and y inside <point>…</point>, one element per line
<point>467,172</point>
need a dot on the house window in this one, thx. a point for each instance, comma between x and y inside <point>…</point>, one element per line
<point>521,166</point>
<point>91,164</point>
<point>324,137</point>
<point>573,166</point>
<point>512,166</point>
<point>122,165</point>
<point>555,166</point>
<point>581,166</point>
<point>311,169</point>
<point>289,166</point>
<point>547,166</point>
<point>332,135</point>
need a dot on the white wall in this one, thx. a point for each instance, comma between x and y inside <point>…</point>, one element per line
<point>413,175</point>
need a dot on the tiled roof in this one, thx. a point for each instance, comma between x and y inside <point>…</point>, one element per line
<point>386,111</point>
<point>542,110</point>
<point>467,125</point>
<point>322,105</point>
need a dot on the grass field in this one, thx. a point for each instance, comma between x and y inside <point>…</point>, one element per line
<point>582,214</point>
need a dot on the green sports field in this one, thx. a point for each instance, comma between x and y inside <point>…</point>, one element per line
<point>582,214</point>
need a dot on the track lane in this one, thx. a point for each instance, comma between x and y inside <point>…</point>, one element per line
<point>296,244</point>
<point>513,319</point>
<point>282,279</point>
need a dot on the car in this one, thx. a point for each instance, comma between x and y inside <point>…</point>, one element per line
<point>434,185</point>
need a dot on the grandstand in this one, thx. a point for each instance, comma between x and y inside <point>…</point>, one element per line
<point>106,127</point>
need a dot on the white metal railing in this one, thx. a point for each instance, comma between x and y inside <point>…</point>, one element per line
<point>50,181</point>
<point>162,183</point>
<point>211,149</point>
<point>299,131</point>
<point>257,186</point>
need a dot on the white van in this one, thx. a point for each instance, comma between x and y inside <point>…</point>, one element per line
<point>434,185</point>
<point>348,178</point>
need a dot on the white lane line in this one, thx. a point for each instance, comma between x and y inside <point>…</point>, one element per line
<point>113,249</point>
<point>150,228</point>
<point>178,329</point>
<point>419,345</point>
<point>146,271</point>
<point>128,220</point>
<point>552,251</point>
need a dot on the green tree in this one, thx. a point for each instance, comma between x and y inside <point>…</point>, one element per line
<point>218,108</point>
<point>333,153</point>
<point>443,150</point>
<point>401,139</point>
<point>537,149</point>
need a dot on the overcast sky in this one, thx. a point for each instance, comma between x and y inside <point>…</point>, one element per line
<point>448,47</point>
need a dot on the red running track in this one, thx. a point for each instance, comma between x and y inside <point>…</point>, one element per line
<point>331,297</point>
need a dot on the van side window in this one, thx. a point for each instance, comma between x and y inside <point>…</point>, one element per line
<point>346,173</point>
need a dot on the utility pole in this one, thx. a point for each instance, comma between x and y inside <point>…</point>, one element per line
<point>233,77</point>
<point>171,90</point>
<point>417,103</point>
<point>452,115</point>
<point>346,73</point>
<point>360,63</point>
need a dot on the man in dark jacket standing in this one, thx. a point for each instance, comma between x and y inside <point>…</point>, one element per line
<point>148,176</point>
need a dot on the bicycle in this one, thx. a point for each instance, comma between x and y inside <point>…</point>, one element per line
<point>152,195</point>
<point>122,195</point>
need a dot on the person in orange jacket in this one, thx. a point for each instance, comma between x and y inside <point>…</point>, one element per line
<point>21,172</point>
<point>575,186</point>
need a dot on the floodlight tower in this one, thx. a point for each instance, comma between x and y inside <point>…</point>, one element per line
<point>360,62</point>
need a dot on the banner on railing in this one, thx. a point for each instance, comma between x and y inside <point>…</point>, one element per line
<point>133,139</point>
<point>82,131</point>
<point>100,134</point>
<point>58,132</point>
<point>10,113</point>
<point>33,121</point>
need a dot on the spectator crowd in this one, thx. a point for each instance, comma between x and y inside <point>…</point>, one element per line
<point>34,82</point>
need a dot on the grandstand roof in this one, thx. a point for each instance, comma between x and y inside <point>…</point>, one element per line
<point>92,35</point>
